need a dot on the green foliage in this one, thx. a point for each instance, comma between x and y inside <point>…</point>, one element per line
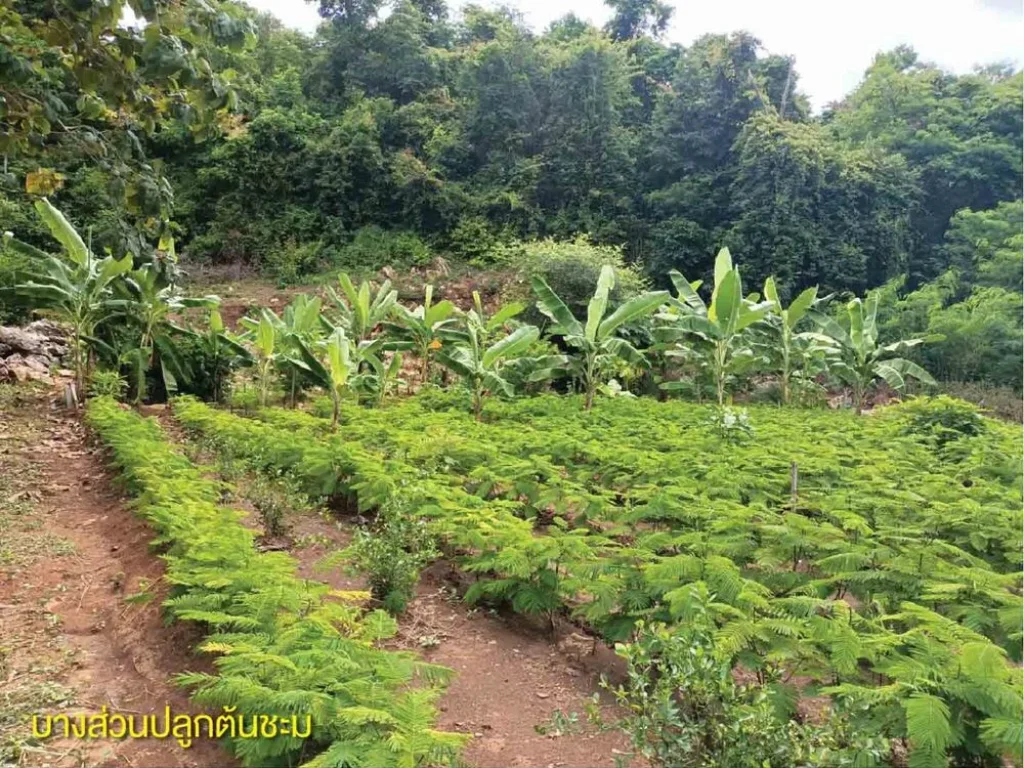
<point>480,362</point>
<point>360,311</point>
<point>105,383</point>
<point>975,306</point>
<point>77,289</point>
<point>89,90</point>
<point>391,553</point>
<point>892,572</point>
<point>423,329</point>
<point>372,248</point>
<point>685,709</point>
<point>282,645</point>
<point>954,131</point>
<point>859,359</point>
<point>596,343</point>
<point>571,268</point>
<point>394,136</point>
<point>212,357</point>
<point>718,327</point>
<point>942,419</point>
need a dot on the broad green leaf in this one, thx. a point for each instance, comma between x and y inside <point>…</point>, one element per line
<point>725,303</point>
<point>770,293</point>
<point>496,383</point>
<point>362,308</point>
<point>505,314</point>
<point>110,268</point>
<point>912,369</point>
<point>63,232</point>
<point>265,336</point>
<point>633,309</point>
<point>599,302</point>
<point>750,315</point>
<point>723,265</point>
<point>554,308</point>
<point>338,358</point>
<point>799,306</point>
<point>625,351</point>
<point>891,375</point>
<point>687,292</point>
<point>870,319</point>
<point>855,310</point>
<point>831,328</point>
<point>438,313</point>
<point>458,360</point>
<point>513,344</point>
<point>348,288</point>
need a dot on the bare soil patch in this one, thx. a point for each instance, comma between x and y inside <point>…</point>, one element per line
<point>69,641</point>
<point>511,677</point>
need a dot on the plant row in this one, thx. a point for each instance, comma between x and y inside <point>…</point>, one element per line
<point>283,646</point>
<point>872,589</point>
<point>352,344</point>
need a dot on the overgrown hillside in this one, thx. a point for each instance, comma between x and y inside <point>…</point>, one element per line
<point>402,132</point>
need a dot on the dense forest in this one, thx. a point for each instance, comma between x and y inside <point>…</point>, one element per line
<point>401,132</point>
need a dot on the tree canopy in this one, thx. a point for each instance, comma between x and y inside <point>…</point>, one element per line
<point>422,131</point>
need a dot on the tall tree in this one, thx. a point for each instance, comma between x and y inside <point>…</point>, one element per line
<point>961,134</point>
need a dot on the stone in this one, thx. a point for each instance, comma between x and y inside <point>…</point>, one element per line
<point>23,340</point>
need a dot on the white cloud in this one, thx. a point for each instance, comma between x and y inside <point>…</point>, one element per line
<point>833,41</point>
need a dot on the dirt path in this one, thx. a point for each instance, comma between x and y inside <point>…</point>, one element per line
<point>510,678</point>
<point>70,552</point>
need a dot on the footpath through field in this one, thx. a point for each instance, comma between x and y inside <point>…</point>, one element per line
<point>81,626</point>
<point>71,551</point>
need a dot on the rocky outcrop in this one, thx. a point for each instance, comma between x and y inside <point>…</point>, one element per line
<point>30,353</point>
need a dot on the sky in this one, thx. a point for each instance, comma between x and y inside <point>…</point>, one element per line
<point>833,41</point>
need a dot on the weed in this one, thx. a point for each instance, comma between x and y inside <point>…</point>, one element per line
<point>391,553</point>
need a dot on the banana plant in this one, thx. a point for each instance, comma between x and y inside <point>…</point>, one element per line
<point>223,351</point>
<point>857,357</point>
<point>424,329</point>
<point>378,376</point>
<point>78,289</point>
<point>719,324</point>
<point>596,342</point>
<point>359,312</point>
<point>332,362</point>
<point>794,350</point>
<point>150,304</point>
<point>480,365</point>
<point>301,320</point>
<point>264,340</point>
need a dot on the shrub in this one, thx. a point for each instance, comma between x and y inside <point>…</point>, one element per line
<point>245,400</point>
<point>283,645</point>
<point>685,710</point>
<point>570,268</point>
<point>291,262</point>
<point>941,418</point>
<point>273,500</point>
<point>473,240</point>
<point>107,383</point>
<point>373,248</point>
<point>392,554</point>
